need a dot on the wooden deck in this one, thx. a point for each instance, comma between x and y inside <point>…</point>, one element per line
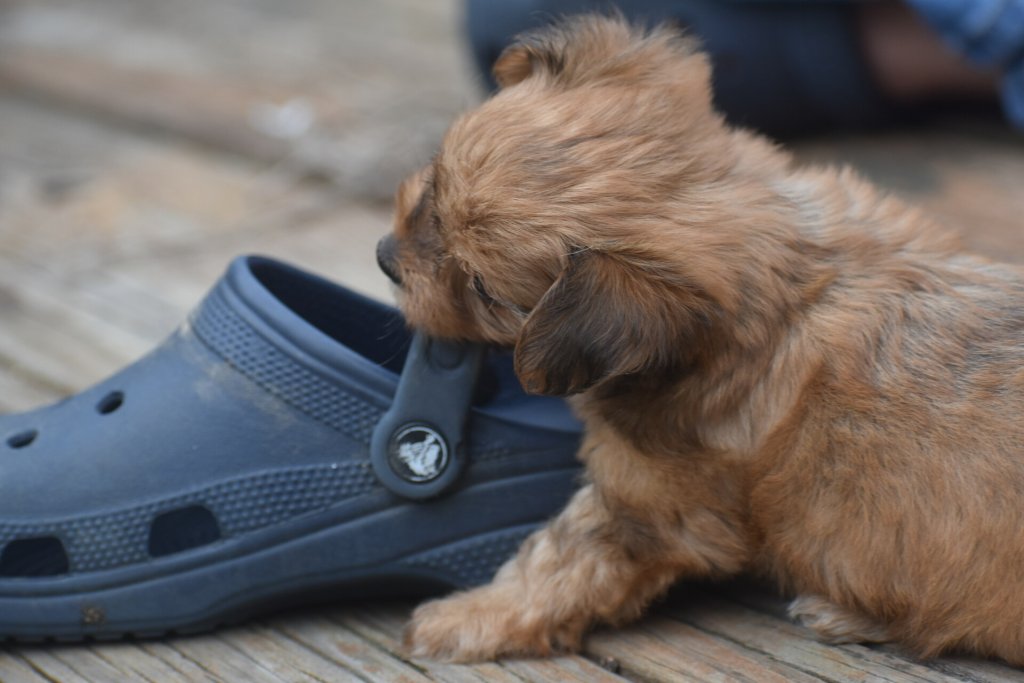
<point>143,143</point>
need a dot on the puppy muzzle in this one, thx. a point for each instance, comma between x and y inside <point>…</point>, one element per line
<point>386,249</point>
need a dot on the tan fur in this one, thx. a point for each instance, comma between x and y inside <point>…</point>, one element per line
<point>780,370</point>
<point>835,624</point>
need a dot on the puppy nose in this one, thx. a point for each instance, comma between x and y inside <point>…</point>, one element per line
<point>386,258</point>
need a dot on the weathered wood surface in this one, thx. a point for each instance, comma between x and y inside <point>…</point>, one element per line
<point>356,92</point>
<point>143,144</point>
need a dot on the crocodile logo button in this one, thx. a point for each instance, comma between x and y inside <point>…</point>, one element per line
<point>418,453</point>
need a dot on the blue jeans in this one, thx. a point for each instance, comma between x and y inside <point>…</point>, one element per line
<point>990,33</point>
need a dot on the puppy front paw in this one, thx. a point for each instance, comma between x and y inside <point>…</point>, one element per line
<point>483,625</point>
<point>835,624</point>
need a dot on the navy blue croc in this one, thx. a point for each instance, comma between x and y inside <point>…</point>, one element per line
<point>291,441</point>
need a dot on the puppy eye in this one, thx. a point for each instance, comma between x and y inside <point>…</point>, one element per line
<point>481,291</point>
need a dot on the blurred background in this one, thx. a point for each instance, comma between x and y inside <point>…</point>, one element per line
<point>145,143</point>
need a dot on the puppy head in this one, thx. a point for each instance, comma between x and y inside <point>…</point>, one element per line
<point>545,220</point>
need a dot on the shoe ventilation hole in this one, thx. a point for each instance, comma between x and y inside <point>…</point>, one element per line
<point>182,529</point>
<point>22,439</point>
<point>110,403</point>
<point>34,557</point>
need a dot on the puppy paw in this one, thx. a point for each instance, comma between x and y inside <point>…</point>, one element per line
<point>835,624</point>
<point>483,625</point>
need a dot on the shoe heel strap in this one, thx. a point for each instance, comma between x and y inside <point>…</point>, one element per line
<point>417,449</point>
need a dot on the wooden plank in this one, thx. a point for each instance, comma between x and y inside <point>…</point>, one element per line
<point>660,648</point>
<point>80,320</point>
<point>43,661</point>
<point>126,95</point>
<point>221,662</point>
<point>286,657</point>
<point>761,598</point>
<point>357,92</point>
<point>14,669</point>
<point>795,646</point>
<point>18,392</point>
<point>72,328</point>
<point>176,661</point>
<point>382,625</point>
<point>136,315</point>
<point>63,345</point>
<point>118,306</point>
<point>70,664</point>
<point>340,245</point>
<point>564,668</point>
<point>967,668</point>
<point>141,665</point>
<point>84,195</point>
<point>350,651</point>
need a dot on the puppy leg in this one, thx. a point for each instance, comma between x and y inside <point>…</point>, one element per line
<point>564,577</point>
<point>581,569</point>
<point>835,624</point>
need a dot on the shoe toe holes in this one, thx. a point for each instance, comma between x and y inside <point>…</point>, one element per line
<point>110,403</point>
<point>22,439</point>
<point>33,557</point>
<point>107,405</point>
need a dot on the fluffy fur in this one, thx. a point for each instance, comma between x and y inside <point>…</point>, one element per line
<point>780,370</point>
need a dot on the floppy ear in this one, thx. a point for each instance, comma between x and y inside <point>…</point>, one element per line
<point>605,317</point>
<point>589,47</point>
<point>563,47</point>
<point>515,64</point>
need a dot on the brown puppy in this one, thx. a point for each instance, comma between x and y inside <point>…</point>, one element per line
<point>780,370</point>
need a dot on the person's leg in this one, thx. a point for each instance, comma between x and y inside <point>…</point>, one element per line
<point>989,33</point>
<point>910,62</point>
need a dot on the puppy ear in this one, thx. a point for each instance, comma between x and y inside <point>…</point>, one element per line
<point>589,47</point>
<point>605,317</point>
<point>514,65</point>
<point>559,48</point>
<point>545,50</point>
